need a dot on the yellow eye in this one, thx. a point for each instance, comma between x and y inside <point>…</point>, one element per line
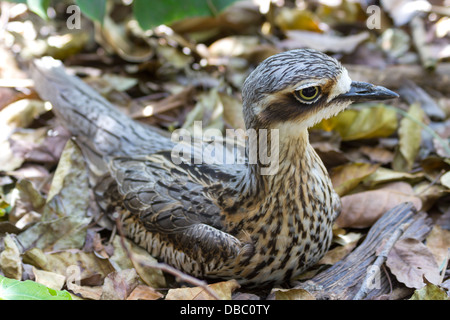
<point>307,94</point>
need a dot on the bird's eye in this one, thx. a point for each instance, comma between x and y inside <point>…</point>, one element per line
<point>307,95</point>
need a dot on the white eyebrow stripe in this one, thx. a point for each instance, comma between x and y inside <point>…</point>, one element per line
<point>309,83</point>
<point>343,84</point>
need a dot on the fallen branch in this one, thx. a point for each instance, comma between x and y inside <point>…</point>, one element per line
<point>365,288</point>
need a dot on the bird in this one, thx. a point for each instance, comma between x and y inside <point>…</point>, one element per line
<point>220,221</point>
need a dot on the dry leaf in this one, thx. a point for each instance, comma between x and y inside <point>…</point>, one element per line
<point>292,294</point>
<point>65,215</point>
<point>49,279</point>
<point>324,42</point>
<point>119,285</point>
<point>142,292</point>
<point>346,177</point>
<point>430,292</point>
<point>410,133</point>
<point>296,19</point>
<point>377,154</point>
<point>364,123</point>
<point>87,292</point>
<point>362,209</point>
<point>438,242</point>
<point>445,180</point>
<point>222,289</point>
<point>10,260</point>
<point>410,260</point>
<point>75,264</point>
<point>383,175</point>
<point>141,262</point>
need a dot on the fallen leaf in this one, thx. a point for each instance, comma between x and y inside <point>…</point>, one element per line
<point>142,292</point>
<point>113,37</point>
<point>20,114</point>
<point>86,292</point>
<point>438,242</point>
<point>232,111</point>
<point>142,262</point>
<point>27,205</point>
<point>10,259</point>
<point>119,285</point>
<point>346,177</point>
<point>75,264</point>
<point>445,180</point>
<point>429,193</point>
<point>410,133</point>
<point>362,209</point>
<point>430,292</point>
<point>383,175</point>
<point>49,279</point>
<point>64,219</point>
<point>292,294</point>
<point>377,154</point>
<point>410,261</point>
<point>362,123</point>
<point>208,109</point>
<point>223,290</point>
<point>296,19</point>
<point>324,42</point>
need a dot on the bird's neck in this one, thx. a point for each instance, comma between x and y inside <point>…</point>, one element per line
<point>297,166</point>
<point>282,153</point>
<point>279,150</point>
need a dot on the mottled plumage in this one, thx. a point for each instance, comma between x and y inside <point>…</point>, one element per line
<point>221,221</point>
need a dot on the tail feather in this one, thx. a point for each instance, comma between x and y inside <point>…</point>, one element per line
<point>100,128</point>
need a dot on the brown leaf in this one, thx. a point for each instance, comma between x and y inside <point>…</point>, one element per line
<point>378,154</point>
<point>142,292</point>
<point>292,294</point>
<point>361,210</point>
<point>119,285</point>
<point>323,41</point>
<point>10,260</point>
<point>346,177</point>
<point>87,292</point>
<point>438,242</point>
<point>74,264</point>
<point>430,292</point>
<point>49,279</point>
<point>141,262</point>
<point>223,289</point>
<point>410,260</point>
<point>336,254</point>
<point>410,133</point>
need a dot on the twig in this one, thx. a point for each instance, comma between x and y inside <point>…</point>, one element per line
<point>391,287</point>
<point>365,288</point>
<point>165,267</point>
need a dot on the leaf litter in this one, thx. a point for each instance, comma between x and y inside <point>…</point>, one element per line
<point>378,155</point>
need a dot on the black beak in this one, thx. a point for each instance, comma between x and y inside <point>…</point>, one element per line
<point>363,91</point>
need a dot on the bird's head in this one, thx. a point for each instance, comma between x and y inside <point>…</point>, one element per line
<point>296,89</point>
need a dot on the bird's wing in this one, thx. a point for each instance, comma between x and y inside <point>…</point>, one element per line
<point>173,200</point>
